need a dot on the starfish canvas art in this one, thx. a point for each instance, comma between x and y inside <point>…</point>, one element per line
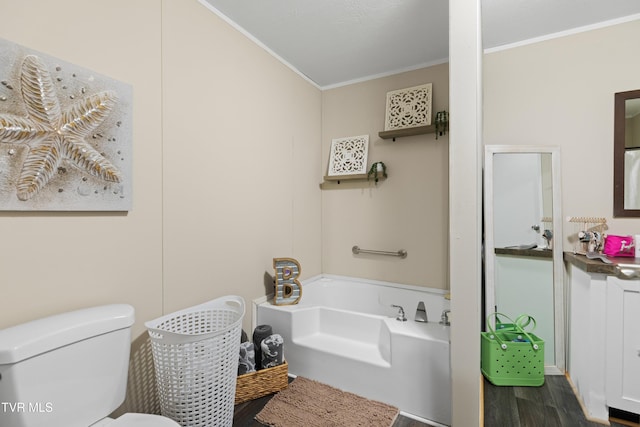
<point>65,135</point>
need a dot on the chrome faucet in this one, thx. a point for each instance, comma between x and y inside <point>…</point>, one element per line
<point>400,317</point>
<point>444,319</point>
<point>421,313</point>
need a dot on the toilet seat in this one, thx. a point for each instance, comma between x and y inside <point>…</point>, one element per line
<point>142,420</point>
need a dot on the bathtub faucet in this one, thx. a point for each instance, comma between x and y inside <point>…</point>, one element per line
<point>421,313</point>
<point>444,319</point>
<point>400,317</point>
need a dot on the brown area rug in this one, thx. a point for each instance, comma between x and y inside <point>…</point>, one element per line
<point>310,403</point>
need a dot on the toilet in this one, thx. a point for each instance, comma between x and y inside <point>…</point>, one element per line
<point>69,370</point>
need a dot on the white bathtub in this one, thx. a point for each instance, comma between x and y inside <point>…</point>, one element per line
<point>344,333</point>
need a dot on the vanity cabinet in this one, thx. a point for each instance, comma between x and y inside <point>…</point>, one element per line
<point>604,336</point>
<point>586,364</point>
<point>623,344</point>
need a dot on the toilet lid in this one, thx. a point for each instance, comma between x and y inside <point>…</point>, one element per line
<point>143,420</point>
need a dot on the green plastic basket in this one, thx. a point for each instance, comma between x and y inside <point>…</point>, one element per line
<point>512,356</point>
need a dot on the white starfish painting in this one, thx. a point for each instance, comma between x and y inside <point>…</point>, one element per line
<point>64,136</point>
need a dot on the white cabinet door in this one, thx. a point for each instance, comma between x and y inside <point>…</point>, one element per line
<point>623,344</point>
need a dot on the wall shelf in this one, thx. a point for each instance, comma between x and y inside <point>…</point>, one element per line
<point>333,181</point>
<point>397,133</point>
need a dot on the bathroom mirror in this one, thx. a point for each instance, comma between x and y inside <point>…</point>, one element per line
<point>626,154</point>
<point>523,241</point>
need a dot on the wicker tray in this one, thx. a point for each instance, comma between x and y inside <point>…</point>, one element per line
<point>260,383</point>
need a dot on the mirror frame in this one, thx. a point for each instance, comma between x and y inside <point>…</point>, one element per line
<point>620,100</point>
<point>558,240</point>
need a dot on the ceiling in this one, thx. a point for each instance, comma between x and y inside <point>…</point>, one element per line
<point>337,42</point>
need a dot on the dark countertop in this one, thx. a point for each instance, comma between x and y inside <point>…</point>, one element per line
<point>596,265</point>
<point>534,253</point>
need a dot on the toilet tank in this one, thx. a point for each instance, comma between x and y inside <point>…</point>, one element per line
<point>67,370</point>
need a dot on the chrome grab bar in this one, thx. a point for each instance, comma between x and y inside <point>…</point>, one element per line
<point>401,253</point>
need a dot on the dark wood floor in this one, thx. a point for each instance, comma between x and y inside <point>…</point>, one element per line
<point>551,405</point>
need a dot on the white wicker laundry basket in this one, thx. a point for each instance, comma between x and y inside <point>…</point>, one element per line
<point>195,352</point>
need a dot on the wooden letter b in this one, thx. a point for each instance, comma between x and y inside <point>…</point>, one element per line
<point>288,289</point>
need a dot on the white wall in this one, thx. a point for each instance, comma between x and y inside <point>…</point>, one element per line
<point>53,262</point>
<point>226,166</point>
<point>241,145</point>
<point>465,202</point>
<point>560,92</point>
<point>409,210</point>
